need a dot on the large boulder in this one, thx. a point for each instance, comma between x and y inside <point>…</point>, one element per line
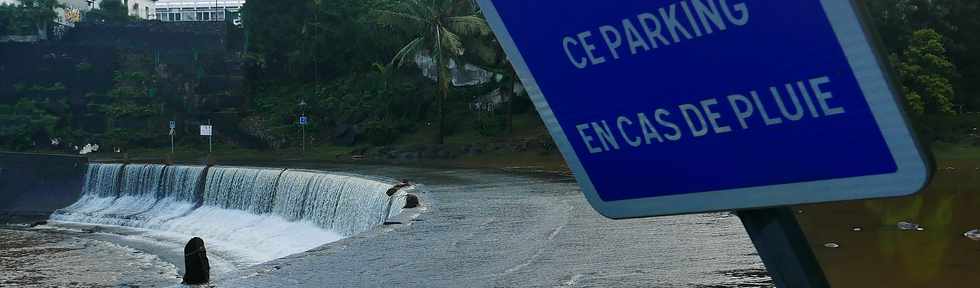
<point>412,201</point>
<point>196,266</point>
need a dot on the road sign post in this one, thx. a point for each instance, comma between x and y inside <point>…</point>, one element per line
<point>303,121</point>
<point>207,130</point>
<point>783,248</point>
<point>691,106</point>
<point>173,125</point>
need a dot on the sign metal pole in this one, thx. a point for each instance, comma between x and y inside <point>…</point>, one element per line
<point>173,125</point>
<point>783,247</point>
<point>210,135</point>
<point>303,128</point>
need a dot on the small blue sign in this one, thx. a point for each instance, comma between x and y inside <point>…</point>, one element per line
<point>303,120</point>
<point>173,124</point>
<point>685,106</point>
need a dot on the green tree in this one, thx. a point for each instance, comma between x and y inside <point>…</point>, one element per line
<point>134,109</point>
<point>7,14</point>
<point>41,13</point>
<point>488,54</point>
<point>925,73</point>
<point>439,28</point>
<point>956,20</point>
<point>961,26</point>
<point>24,124</point>
<point>111,11</point>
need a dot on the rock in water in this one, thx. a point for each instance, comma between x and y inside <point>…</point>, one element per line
<point>411,201</point>
<point>973,234</point>
<point>404,183</point>
<point>906,226</point>
<point>197,268</point>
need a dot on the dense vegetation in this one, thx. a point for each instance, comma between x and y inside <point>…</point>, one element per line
<point>353,63</point>
<point>351,66</point>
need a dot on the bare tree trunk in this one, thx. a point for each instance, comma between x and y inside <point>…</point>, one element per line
<point>444,91</point>
<point>442,113</point>
<point>442,117</point>
<point>510,100</point>
<point>42,31</point>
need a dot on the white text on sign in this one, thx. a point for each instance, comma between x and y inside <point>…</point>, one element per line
<point>796,101</point>
<point>660,28</point>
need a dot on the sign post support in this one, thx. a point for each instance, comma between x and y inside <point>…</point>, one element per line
<point>303,121</point>
<point>783,247</point>
<point>208,130</point>
<point>173,125</point>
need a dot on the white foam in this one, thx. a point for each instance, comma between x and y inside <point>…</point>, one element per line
<point>254,215</point>
<point>258,238</point>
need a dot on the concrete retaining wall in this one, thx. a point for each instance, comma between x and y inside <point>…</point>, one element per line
<point>34,185</point>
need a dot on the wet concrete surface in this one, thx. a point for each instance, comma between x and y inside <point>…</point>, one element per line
<point>45,258</point>
<point>494,229</point>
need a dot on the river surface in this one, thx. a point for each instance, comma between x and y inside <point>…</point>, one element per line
<point>478,228</point>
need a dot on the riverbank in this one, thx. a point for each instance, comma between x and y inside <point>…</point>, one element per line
<point>528,147</point>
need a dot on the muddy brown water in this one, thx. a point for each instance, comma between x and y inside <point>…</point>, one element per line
<point>882,255</point>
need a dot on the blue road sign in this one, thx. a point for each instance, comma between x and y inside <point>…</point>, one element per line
<point>303,120</point>
<point>671,107</point>
<point>173,124</point>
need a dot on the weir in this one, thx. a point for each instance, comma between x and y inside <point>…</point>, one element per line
<point>264,213</point>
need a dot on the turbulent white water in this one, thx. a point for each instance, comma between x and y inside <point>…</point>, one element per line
<point>258,214</point>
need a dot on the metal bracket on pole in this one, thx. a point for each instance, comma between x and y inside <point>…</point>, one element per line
<point>783,248</point>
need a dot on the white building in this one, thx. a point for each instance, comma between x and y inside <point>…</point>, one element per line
<point>143,9</point>
<point>140,8</point>
<point>200,10</point>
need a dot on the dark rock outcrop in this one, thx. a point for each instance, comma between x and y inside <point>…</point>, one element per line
<point>196,266</point>
<point>399,186</point>
<point>411,201</point>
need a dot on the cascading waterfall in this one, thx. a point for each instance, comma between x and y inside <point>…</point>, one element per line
<point>99,189</point>
<point>247,189</point>
<point>344,204</point>
<point>140,195</point>
<point>137,195</point>
<point>259,213</point>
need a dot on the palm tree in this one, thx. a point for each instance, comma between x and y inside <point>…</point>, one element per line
<point>438,28</point>
<point>488,54</point>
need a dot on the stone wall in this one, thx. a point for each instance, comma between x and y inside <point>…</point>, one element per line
<point>34,185</point>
